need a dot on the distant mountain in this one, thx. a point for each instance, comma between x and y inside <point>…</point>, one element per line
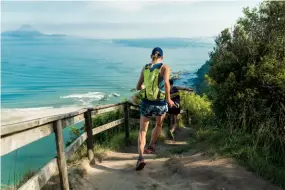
<point>26,31</point>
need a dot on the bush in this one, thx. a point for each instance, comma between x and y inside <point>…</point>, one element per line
<point>104,119</point>
<point>247,70</point>
<point>247,77</point>
<point>199,107</point>
<point>246,85</point>
<point>136,98</point>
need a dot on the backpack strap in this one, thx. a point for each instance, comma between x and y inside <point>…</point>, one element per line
<point>159,92</point>
<point>147,66</point>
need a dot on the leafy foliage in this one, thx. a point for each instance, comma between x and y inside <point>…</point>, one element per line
<point>104,119</point>
<point>136,98</point>
<point>247,69</point>
<point>200,108</point>
<point>74,134</point>
<point>200,82</point>
<point>246,80</point>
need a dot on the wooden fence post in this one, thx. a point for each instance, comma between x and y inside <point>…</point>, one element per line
<point>88,129</point>
<point>61,162</point>
<point>127,124</point>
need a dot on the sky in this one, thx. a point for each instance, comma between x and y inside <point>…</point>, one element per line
<point>124,19</point>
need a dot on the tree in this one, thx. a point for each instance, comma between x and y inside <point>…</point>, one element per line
<point>247,69</point>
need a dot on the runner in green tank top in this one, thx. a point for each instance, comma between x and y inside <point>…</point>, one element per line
<point>153,79</point>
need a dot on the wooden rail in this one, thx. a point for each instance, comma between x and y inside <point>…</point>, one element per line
<point>17,135</point>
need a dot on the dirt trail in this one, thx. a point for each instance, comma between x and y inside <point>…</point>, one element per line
<point>187,171</point>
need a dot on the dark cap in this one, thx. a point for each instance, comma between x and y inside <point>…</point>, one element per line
<point>157,49</point>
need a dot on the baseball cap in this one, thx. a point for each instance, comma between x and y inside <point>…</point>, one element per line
<point>157,49</point>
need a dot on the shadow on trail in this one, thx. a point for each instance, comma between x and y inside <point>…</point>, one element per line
<point>129,168</point>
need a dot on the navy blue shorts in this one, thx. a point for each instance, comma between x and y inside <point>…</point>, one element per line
<point>153,109</point>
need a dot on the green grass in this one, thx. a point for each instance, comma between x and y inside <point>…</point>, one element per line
<point>114,143</point>
<point>118,140</point>
<point>243,148</point>
<point>99,153</point>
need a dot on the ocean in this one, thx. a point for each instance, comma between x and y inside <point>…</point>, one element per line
<point>51,72</point>
<point>66,71</point>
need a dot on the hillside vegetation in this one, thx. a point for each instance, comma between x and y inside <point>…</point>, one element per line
<point>245,84</point>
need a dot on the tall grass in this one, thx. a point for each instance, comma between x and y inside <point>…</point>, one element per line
<point>104,119</point>
<point>243,147</point>
<point>261,151</point>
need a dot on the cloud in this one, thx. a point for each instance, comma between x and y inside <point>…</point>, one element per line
<point>134,18</point>
<point>132,30</point>
<point>124,6</point>
<point>133,5</point>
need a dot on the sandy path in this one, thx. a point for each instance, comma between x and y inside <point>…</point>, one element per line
<point>120,174</point>
<point>187,171</point>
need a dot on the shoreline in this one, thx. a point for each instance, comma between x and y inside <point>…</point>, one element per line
<point>15,115</point>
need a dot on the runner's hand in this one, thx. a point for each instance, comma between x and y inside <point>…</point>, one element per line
<point>170,103</point>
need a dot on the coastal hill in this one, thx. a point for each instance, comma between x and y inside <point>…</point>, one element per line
<point>26,31</point>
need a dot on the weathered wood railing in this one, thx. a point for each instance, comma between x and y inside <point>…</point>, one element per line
<point>17,135</point>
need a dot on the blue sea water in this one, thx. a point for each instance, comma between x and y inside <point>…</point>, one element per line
<point>68,71</point>
<point>30,158</point>
<point>65,71</point>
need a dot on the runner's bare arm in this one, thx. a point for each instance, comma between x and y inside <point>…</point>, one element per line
<point>140,82</point>
<point>166,74</point>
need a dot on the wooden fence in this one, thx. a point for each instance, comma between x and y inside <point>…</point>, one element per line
<point>17,135</point>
